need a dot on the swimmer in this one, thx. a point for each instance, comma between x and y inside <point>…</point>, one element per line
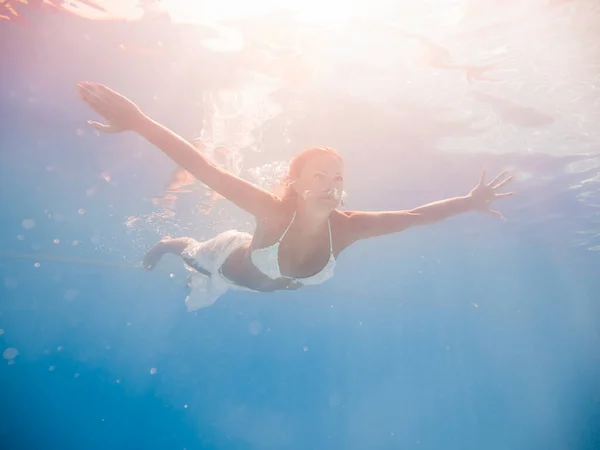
<point>298,236</point>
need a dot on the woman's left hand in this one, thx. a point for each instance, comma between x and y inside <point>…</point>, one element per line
<point>484,194</point>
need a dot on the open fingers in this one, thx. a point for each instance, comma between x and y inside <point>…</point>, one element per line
<point>493,184</point>
<point>482,178</point>
<point>104,127</point>
<point>502,183</point>
<point>506,194</point>
<point>494,213</point>
<point>91,94</point>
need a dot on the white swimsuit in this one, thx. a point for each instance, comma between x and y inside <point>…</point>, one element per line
<point>267,261</point>
<point>205,260</point>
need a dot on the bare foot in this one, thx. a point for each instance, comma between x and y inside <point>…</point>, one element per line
<point>154,255</point>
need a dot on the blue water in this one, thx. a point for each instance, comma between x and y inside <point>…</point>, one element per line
<point>470,334</point>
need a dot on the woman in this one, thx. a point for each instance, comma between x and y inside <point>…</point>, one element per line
<point>298,237</point>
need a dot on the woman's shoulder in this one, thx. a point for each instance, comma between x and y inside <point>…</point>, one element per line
<point>282,212</point>
<point>339,229</point>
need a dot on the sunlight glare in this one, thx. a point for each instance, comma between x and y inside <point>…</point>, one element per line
<point>330,13</point>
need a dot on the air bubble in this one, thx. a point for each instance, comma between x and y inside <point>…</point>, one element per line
<point>28,224</point>
<point>10,353</point>
<point>71,294</point>
<point>255,328</point>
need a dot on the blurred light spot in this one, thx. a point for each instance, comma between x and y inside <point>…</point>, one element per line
<point>118,380</point>
<point>75,242</point>
<point>185,406</point>
<point>20,237</point>
<point>1,331</point>
<point>153,371</point>
<point>71,294</point>
<point>81,211</point>
<point>28,224</point>
<point>582,166</point>
<point>255,328</point>
<point>79,132</point>
<point>59,348</point>
<point>91,191</point>
<point>11,362</point>
<point>171,275</point>
<point>56,241</point>
<point>10,283</point>
<point>51,368</point>
<point>304,349</point>
<point>37,264</point>
<point>108,347</point>
<point>10,353</point>
<point>105,176</point>
<point>76,375</point>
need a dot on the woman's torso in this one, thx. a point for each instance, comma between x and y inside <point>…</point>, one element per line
<point>301,256</point>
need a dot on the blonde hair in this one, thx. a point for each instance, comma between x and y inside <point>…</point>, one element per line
<point>297,164</point>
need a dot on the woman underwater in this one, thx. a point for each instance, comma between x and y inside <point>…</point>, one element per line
<point>298,237</point>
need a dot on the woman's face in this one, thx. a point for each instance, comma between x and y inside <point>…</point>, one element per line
<point>321,181</point>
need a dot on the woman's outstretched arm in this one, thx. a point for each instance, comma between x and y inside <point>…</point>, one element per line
<point>363,224</point>
<point>244,194</point>
<point>122,114</point>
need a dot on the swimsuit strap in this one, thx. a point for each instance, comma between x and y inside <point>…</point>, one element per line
<point>288,227</point>
<point>328,225</point>
<point>330,237</point>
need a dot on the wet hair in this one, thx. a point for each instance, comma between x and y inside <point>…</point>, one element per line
<point>298,163</point>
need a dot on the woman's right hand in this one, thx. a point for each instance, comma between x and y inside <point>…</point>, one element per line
<point>120,113</point>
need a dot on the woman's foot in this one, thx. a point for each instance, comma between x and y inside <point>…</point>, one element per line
<point>166,245</point>
<point>154,255</point>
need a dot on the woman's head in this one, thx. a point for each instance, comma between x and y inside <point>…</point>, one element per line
<point>316,176</point>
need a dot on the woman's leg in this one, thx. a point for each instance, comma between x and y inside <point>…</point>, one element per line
<point>166,245</point>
